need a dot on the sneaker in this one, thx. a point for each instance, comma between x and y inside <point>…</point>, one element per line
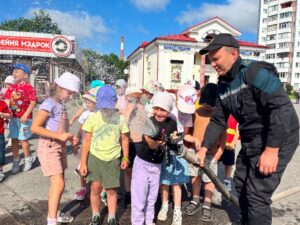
<point>95,220</point>
<point>177,218</point>
<point>104,198</point>
<point>28,162</point>
<point>227,184</point>
<point>163,214</point>
<point>207,214</point>
<point>64,218</point>
<point>15,166</point>
<point>192,208</point>
<point>112,221</point>
<point>2,176</point>
<point>80,195</point>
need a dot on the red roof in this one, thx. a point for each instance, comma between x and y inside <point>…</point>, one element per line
<point>177,37</point>
<point>251,44</point>
<point>216,17</point>
<point>144,44</point>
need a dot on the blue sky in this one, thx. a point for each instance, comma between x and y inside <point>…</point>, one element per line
<point>99,24</point>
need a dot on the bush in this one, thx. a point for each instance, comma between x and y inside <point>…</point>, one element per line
<point>288,89</point>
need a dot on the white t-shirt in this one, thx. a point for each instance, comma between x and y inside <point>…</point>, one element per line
<point>84,116</point>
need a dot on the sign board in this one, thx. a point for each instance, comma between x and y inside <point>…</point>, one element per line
<point>51,45</point>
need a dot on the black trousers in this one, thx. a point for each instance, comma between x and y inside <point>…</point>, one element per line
<point>254,189</point>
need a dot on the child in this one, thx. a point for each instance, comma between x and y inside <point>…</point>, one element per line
<point>52,123</point>
<point>147,163</point>
<point>120,90</point>
<point>21,98</point>
<point>5,113</point>
<point>101,150</point>
<point>176,173</point>
<point>132,110</point>
<point>90,101</point>
<point>228,156</point>
<point>202,118</point>
<point>93,84</point>
<point>9,80</point>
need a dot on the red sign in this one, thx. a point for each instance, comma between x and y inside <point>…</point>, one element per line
<point>25,44</point>
<point>59,45</point>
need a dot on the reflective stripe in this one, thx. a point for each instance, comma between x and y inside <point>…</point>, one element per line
<point>230,131</point>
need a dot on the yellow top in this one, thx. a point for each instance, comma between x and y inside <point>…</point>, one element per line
<point>106,132</point>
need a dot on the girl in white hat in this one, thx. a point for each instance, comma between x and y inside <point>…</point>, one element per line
<point>51,124</point>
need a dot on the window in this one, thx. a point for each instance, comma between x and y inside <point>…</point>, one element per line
<point>284,35</point>
<point>273,8</point>
<point>286,5</point>
<point>272,27</point>
<point>272,18</point>
<point>271,37</point>
<point>284,45</point>
<point>297,65</point>
<point>297,75</point>
<point>282,55</point>
<point>285,15</point>
<point>284,25</point>
<point>298,54</point>
<point>270,56</point>
<point>264,20</point>
<point>265,11</point>
<point>271,46</point>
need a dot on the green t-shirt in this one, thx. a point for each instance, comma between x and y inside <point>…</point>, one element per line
<point>106,132</point>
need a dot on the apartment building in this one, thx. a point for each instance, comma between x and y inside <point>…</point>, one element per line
<point>279,29</point>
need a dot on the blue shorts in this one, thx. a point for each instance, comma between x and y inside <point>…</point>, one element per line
<point>20,130</point>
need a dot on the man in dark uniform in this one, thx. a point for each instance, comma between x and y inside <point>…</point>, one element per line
<point>268,125</point>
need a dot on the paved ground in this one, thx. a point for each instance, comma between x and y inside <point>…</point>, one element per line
<point>23,197</point>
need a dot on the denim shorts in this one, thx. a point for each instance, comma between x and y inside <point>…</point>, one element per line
<point>20,130</point>
<point>2,150</point>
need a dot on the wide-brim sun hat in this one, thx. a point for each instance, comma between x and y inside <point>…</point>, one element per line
<point>68,81</point>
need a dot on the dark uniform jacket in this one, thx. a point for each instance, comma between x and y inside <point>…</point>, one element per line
<point>255,96</point>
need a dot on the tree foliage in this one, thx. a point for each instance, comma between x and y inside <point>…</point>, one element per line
<point>41,22</point>
<point>107,68</point>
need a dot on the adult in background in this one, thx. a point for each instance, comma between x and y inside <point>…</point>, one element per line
<point>268,125</point>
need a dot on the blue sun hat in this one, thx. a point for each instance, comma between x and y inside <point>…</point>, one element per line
<point>106,98</point>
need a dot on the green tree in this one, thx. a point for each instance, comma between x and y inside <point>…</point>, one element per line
<point>104,67</point>
<point>41,22</point>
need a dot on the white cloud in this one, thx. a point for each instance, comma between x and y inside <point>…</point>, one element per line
<point>150,5</point>
<point>77,23</point>
<point>242,14</point>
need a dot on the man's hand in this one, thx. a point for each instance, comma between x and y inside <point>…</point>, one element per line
<point>230,146</point>
<point>201,154</point>
<point>268,161</point>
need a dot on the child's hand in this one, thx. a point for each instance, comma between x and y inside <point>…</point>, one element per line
<point>75,149</point>
<point>124,164</point>
<point>23,118</point>
<point>75,141</point>
<point>65,137</point>
<point>197,144</point>
<point>83,170</point>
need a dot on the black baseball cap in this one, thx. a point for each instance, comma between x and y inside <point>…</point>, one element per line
<point>220,41</point>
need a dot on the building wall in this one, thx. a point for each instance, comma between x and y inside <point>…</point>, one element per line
<point>136,70</point>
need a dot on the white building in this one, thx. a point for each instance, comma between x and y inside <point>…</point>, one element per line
<point>279,29</point>
<point>174,59</point>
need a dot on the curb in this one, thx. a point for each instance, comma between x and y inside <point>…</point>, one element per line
<point>286,193</point>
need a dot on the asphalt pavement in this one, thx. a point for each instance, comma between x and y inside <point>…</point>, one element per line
<point>23,196</point>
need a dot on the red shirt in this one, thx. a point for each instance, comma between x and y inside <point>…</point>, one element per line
<point>20,96</point>
<point>3,109</point>
<point>231,124</point>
